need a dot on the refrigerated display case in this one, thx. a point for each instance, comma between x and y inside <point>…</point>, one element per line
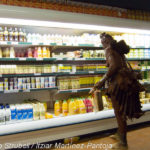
<point>66,35</point>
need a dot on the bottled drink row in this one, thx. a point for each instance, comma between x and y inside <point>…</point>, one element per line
<point>73,106</point>
<point>36,52</point>
<point>12,34</point>
<point>20,35</point>
<point>80,54</point>
<point>135,40</point>
<point>45,52</point>
<point>77,82</point>
<point>139,53</point>
<point>27,83</point>
<point>28,69</point>
<point>13,113</point>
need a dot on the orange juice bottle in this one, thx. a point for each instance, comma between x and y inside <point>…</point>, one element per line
<point>57,108</point>
<point>82,108</point>
<point>72,107</point>
<point>77,105</point>
<point>44,52</point>
<point>65,108</point>
<point>48,52</point>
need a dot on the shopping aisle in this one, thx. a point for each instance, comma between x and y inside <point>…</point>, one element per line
<point>138,139</point>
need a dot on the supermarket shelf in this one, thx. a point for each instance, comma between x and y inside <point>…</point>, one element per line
<point>75,90</point>
<point>27,59</point>
<point>45,44</point>
<point>53,74</point>
<point>55,44</point>
<point>59,121</point>
<point>138,59</point>
<point>28,90</point>
<point>65,59</point>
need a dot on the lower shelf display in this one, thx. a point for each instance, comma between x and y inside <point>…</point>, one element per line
<point>58,121</point>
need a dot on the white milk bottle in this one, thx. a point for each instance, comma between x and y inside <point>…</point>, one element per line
<point>2,115</point>
<point>7,114</point>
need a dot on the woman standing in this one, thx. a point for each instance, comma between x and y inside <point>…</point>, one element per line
<point>123,87</point>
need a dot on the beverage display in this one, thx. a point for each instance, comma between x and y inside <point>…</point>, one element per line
<point>36,52</point>
<point>77,82</point>
<point>73,106</point>
<point>80,54</point>
<point>12,34</point>
<point>27,83</point>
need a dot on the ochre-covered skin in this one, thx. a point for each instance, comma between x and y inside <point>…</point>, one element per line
<point>123,85</point>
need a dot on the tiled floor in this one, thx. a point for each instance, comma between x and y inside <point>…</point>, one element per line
<point>138,139</point>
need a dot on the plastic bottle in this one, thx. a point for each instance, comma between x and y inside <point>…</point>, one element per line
<point>77,105</point>
<point>5,34</point>
<point>39,52</point>
<point>89,106</point>
<point>10,34</point>
<point>65,108</point>
<point>57,108</point>
<point>7,114</point>
<point>35,52</point>
<point>48,52</point>
<point>72,107</point>
<point>44,52</point>
<point>24,112</point>
<point>19,112</point>
<point>1,53</point>
<point>24,36</point>
<point>1,34</point>
<point>16,35</point>
<point>42,111</point>
<point>29,53</point>
<point>82,109</point>
<point>20,35</point>
<point>2,115</point>
<point>12,52</point>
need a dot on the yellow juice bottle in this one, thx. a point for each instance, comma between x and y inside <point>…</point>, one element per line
<point>65,108</point>
<point>77,105</point>
<point>57,108</point>
<point>72,107</point>
<point>82,108</point>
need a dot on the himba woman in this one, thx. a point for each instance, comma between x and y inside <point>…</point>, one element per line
<point>123,87</point>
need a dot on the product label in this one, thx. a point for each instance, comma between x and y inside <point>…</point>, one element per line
<point>74,91</point>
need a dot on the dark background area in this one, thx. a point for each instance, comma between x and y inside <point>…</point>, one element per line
<point>128,4</point>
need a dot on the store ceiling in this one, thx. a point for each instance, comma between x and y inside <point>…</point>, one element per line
<point>129,4</point>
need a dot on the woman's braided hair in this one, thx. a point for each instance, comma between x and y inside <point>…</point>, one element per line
<point>121,47</point>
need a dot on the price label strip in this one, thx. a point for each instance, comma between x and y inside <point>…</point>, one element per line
<point>37,74</point>
<point>38,59</point>
<point>74,91</point>
<point>22,59</point>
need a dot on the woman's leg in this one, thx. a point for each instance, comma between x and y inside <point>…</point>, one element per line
<point>122,124</point>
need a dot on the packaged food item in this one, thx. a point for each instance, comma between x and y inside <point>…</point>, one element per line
<point>48,115</point>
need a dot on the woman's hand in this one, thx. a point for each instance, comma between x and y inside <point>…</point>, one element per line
<point>98,85</point>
